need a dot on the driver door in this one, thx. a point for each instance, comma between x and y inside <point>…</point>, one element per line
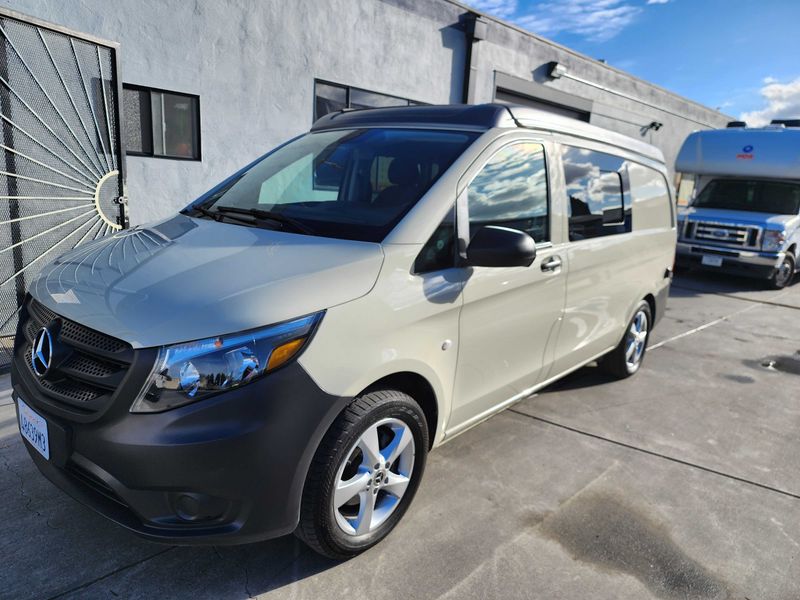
<point>510,316</point>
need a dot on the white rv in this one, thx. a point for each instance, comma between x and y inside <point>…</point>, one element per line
<point>740,188</point>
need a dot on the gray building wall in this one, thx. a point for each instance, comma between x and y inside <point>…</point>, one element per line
<point>253,65</point>
<point>520,54</point>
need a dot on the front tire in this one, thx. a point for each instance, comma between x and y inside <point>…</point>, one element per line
<point>627,357</point>
<point>784,273</point>
<point>364,474</point>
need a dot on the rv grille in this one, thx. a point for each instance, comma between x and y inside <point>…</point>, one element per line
<point>740,236</point>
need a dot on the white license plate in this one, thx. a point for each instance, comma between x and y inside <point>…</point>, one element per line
<point>712,261</point>
<point>33,428</point>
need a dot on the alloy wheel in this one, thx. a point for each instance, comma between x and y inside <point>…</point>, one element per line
<point>784,272</point>
<point>371,481</point>
<point>636,341</point>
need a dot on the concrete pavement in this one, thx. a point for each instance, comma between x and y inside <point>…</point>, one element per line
<point>681,482</point>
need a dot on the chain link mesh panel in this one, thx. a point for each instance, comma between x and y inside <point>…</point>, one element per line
<point>60,169</point>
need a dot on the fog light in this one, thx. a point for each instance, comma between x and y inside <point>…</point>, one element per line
<point>193,507</point>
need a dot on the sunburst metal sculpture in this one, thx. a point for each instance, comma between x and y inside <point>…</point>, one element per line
<point>59,153</point>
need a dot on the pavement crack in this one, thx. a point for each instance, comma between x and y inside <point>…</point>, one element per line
<point>679,461</point>
<point>23,493</point>
<point>246,568</point>
<point>110,574</point>
<point>740,298</point>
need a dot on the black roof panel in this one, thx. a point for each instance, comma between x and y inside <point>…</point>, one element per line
<point>463,116</point>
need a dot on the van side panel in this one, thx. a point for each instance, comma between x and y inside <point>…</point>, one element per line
<point>654,219</point>
<point>609,275</point>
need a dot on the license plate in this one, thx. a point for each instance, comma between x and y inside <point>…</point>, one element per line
<point>33,428</point>
<point>712,261</point>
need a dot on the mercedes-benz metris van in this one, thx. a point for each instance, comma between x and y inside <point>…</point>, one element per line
<point>282,355</point>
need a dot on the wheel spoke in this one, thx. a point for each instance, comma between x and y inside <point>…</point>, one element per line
<point>347,490</point>
<point>365,512</point>
<point>631,349</point>
<point>400,442</point>
<point>371,448</point>
<point>396,484</point>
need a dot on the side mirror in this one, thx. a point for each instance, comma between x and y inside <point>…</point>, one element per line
<point>494,246</point>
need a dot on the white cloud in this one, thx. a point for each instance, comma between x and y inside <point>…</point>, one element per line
<point>597,20</point>
<point>781,101</point>
<point>657,1</point>
<point>504,9</point>
<point>768,80</point>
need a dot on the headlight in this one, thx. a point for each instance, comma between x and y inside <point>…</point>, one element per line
<point>185,373</point>
<point>773,240</point>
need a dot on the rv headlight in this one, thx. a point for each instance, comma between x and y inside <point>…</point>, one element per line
<point>188,372</point>
<point>773,240</point>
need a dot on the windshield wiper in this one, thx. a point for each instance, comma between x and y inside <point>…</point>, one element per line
<point>204,211</point>
<point>261,214</point>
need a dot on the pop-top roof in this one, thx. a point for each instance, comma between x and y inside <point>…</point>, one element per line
<point>481,117</point>
<point>771,152</point>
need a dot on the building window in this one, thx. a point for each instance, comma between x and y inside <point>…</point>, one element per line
<point>598,205</point>
<point>332,97</point>
<point>161,123</point>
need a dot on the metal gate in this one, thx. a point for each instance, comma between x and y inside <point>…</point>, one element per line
<point>61,159</point>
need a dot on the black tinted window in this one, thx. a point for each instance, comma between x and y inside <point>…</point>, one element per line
<point>439,252</point>
<point>773,197</point>
<point>597,203</point>
<point>511,191</point>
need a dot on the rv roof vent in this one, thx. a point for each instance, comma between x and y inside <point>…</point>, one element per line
<point>736,124</point>
<point>786,122</point>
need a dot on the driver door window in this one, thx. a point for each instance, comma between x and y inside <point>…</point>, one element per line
<point>511,191</point>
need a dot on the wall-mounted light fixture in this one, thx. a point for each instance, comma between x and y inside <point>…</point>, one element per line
<point>556,70</point>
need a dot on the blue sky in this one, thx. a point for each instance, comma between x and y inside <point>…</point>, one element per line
<point>739,56</point>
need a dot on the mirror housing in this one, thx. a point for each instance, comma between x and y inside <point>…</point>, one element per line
<point>494,246</point>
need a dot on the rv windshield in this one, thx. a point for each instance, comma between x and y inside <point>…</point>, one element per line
<point>352,184</point>
<point>772,197</point>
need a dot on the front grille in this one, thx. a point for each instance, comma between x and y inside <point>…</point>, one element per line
<point>88,367</point>
<point>739,236</point>
<point>75,334</point>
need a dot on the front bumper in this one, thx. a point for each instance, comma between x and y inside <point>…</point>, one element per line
<point>228,469</point>
<point>743,262</point>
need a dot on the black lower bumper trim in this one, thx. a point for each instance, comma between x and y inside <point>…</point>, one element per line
<point>229,469</point>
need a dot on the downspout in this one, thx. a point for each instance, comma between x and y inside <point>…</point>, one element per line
<point>475,30</point>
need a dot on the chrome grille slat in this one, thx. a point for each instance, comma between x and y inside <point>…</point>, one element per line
<point>740,236</point>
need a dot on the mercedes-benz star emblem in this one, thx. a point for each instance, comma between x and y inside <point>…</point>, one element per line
<point>42,352</point>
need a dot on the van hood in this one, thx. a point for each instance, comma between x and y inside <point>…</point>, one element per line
<point>184,279</point>
<point>740,217</point>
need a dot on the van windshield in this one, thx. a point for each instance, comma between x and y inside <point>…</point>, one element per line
<point>772,197</point>
<point>349,184</point>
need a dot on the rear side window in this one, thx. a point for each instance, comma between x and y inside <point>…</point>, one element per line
<point>511,191</point>
<point>598,204</point>
<point>650,195</point>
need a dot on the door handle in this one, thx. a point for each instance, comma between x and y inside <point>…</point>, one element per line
<point>552,264</point>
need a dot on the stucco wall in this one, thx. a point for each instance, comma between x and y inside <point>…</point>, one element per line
<point>253,64</point>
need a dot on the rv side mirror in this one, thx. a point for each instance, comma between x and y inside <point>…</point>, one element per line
<point>493,246</point>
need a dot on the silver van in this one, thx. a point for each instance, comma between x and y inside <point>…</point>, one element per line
<point>282,355</point>
<point>741,190</point>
